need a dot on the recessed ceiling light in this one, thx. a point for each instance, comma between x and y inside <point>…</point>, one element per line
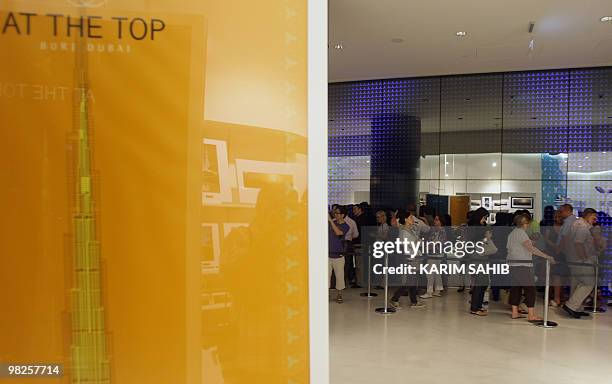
<point>461,33</point>
<point>397,40</point>
<point>338,46</point>
<point>446,175</point>
<point>606,18</point>
<point>494,164</point>
<point>586,157</point>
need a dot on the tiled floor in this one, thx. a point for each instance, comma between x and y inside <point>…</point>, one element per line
<point>443,343</point>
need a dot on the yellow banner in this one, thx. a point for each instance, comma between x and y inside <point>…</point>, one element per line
<point>153,190</point>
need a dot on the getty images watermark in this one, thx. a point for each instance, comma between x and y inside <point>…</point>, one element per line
<point>476,251</point>
<point>436,251</point>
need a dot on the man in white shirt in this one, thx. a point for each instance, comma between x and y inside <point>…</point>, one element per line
<point>581,250</point>
<point>566,211</point>
<point>353,230</point>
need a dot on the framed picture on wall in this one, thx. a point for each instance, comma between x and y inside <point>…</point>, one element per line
<point>491,219</point>
<point>487,202</point>
<point>521,202</point>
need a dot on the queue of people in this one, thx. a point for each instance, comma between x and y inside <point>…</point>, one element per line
<point>571,245</point>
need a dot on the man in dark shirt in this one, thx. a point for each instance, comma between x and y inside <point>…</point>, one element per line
<point>337,230</point>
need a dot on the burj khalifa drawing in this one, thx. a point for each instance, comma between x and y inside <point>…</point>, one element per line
<point>88,349</point>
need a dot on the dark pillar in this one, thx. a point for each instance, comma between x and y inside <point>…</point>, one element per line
<point>394,165</point>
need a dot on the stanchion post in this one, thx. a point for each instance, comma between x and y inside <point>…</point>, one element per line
<point>369,293</point>
<point>546,323</point>
<point>386,310</point>
<point>546,292</point>
<point>595,288</point>
<point>596,309</point>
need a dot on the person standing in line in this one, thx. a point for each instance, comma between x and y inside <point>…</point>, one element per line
<point>567,215</point>
<point>437,236</point>
<point>462,232</point>
<point>501,230</point>
<point>370,218</point>
<point>421,227</point>
<point>337,230</point>
<point>450,236</point>
<point>349,256</point>
<point>426,214</point>
<point>543,226</point>
<point>361,221</point>
<point>582,256</point>
<point>566,212</point>
<point>550,228</point>
<point>382,234</point>
<point>423,222</point>
<point>477,232</point>
<point>412,209</point>
<point>407,230</point>
<point>601,244</point>
<point>520,258</point>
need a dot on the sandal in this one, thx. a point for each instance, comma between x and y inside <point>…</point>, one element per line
<point>518,317</point>
<point>479,313</point>
<point>522,312</point>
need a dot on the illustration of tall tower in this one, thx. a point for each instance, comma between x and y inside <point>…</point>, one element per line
<point>90,363</point>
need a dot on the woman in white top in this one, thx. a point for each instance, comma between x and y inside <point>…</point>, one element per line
<point>520,258</point>
<point>437,235</point>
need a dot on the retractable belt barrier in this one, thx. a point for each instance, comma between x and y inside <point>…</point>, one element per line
<point>545,323</point>
<point>385,310</point>
<point>369,293</point>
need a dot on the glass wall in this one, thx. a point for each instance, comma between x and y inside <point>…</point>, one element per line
<point>505,141</point>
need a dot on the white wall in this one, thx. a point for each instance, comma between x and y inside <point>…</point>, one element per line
<point>490,173</point>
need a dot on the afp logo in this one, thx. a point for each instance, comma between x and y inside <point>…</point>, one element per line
<point>87,3</point>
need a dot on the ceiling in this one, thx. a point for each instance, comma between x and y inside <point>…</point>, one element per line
<point>567,34</point>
